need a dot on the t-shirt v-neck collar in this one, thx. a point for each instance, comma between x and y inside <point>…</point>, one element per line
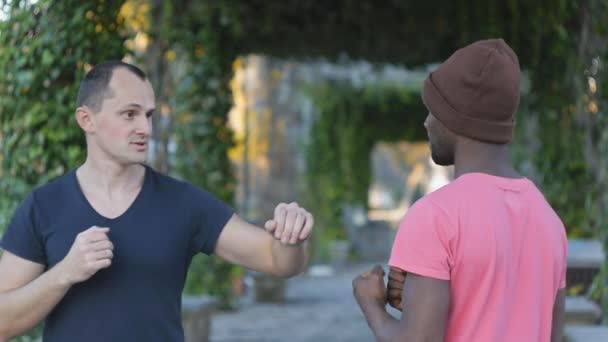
<point>131,207</point>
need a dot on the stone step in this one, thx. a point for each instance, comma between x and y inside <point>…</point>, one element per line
<point>580,310</point>
<point>585,259</point>
<point>585,254</point>
<point>586,333</point>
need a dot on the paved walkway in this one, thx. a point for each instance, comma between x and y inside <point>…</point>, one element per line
<point>317,309</point>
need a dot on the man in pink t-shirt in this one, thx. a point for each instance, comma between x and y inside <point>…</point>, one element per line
<point>483,258</point>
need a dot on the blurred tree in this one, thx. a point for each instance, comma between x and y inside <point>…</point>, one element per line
<point>207,41</point>
<point>590,81</point>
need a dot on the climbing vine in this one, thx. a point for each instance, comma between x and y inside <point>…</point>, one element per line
<point>45,50</point>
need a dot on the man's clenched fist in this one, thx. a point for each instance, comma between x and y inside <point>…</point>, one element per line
<point>91,251</point>
<point>394,287</point>
<point>291,223</point>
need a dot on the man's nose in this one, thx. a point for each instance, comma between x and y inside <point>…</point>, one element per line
<point>144,126</point>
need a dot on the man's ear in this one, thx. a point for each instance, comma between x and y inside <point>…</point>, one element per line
<point>84,117</point>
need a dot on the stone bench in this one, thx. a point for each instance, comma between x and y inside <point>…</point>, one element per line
<point>196,317</point>
<point>579,333</point>
<point>580,310</point>
<point>585,259</point>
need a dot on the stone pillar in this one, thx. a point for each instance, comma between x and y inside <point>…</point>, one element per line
<point>196,317</point>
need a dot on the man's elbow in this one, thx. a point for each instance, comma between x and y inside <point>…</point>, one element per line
<point>288,272</point>
<point>288,269</point>
<point>7,331</point>
<point>12,328</point>
<point>291,270</point>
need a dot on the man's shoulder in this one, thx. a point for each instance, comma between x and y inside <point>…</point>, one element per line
<point>446,195</point>
<point>55,189</point>
<point>444,202</point>
<point>48,197</point>
<point>162,179</point>
<point>475,187</point>
<point>183,195</point>
<point>170,185</point>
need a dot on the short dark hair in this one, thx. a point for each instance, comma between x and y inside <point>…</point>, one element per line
<point>94,88</point>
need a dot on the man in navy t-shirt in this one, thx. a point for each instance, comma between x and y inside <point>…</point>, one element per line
<point>101,253</point>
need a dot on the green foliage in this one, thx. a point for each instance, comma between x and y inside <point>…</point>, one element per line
<point>593,89</point>
<point>349,122</point>
<point>402,32</point>
<point>44,50</point>
<point>203,101</point>
<point>215,277</point>
<point>32,336</point>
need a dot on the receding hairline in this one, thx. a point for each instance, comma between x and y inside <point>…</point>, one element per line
<point>95,87</point>
<point>110,90</point>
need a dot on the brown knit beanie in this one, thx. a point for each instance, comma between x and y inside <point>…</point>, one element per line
<point>475,92</point>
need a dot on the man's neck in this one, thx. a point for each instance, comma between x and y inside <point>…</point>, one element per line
<point>473,156</point>
<point>109,177</point>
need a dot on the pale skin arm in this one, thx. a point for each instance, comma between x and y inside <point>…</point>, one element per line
<point>280,249</point>
<point>28,294</point>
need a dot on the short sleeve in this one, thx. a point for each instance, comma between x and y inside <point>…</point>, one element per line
<point>211,216</point>
<point>562,281</point>
<point>22,236</point>
<point>422,244</point>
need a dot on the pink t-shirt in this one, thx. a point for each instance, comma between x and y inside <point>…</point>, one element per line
<point>501,246</point>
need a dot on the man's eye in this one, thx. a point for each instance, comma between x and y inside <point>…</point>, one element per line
<point>130,114</point>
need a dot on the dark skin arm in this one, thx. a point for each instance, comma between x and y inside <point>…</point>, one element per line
<point>559,316</point>
<point>425,307</point>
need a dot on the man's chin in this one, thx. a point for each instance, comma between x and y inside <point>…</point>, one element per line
<point>137,160</point>
<point>141,161</point>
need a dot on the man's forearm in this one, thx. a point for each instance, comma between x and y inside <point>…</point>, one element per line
<point>289,260</point>
<point>385,327</point>
<point>22,308</point>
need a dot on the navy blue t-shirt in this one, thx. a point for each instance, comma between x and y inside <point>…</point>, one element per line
<point>138,298</point>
